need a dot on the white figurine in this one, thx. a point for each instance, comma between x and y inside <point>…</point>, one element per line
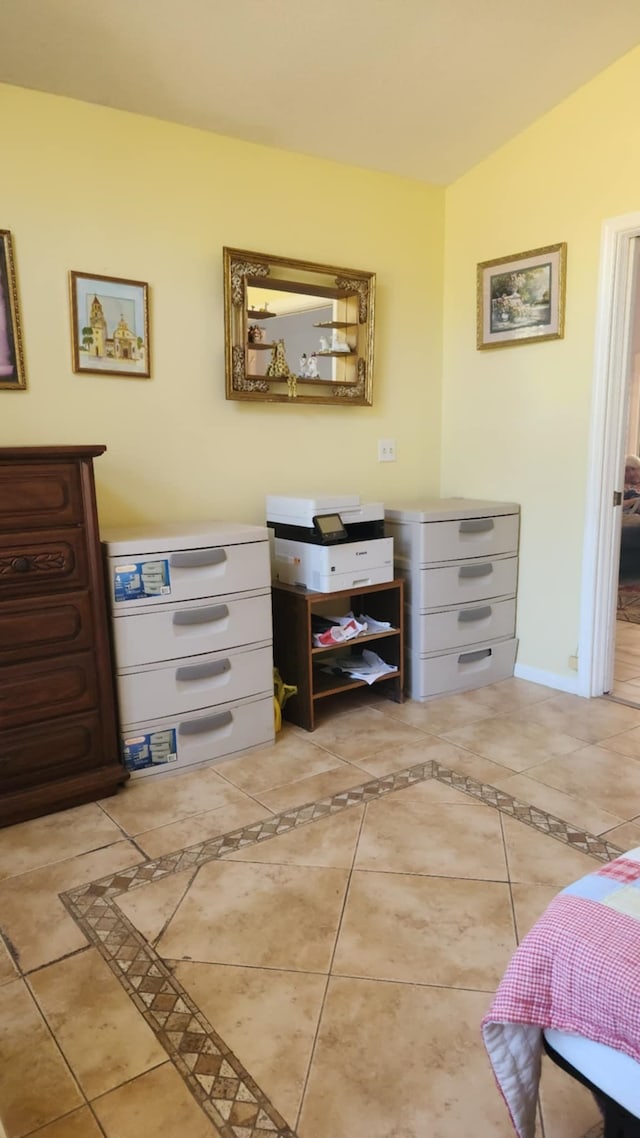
<point>338,345</point>
<point>303,364</point>
<point>324,344</point>
<point>312,367</point>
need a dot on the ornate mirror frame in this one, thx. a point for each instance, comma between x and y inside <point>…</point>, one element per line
<point>336,365</point>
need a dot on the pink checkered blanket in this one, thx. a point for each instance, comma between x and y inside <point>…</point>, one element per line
<point>577,970</point>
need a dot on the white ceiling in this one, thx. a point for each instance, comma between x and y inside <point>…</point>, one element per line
<point>422,88</point>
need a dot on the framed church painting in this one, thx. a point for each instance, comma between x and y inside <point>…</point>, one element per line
<point>109,325</point>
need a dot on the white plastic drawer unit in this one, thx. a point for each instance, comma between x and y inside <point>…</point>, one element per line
<point>455,531</point>
<point>147,570</point>
<point>464,582</point>
<point>190,629</point>
<point>174,742</point>
<point>460,627</point>
<point>462,670</point>
<point>201,681</point>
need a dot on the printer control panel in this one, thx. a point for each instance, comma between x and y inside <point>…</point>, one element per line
<point>329,528</point>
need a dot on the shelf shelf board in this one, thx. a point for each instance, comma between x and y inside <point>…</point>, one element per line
<point>260,347</point>
<point>302,380</point>
<point>325,685</point>
<point>331,353</point>
<point>316,651</point>
<point>256,314</point>
<point>334,324</point>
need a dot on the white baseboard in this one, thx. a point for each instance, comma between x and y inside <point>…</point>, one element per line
<point>537,676</point>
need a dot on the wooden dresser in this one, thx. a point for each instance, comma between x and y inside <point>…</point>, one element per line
<point>58,736</point>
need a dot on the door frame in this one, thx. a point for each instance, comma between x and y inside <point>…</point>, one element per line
<point>607,448</point>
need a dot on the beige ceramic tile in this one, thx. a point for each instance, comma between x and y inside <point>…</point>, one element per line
<point>529,903</point>
<point>508,695</point>
<point>439,715</point>
<point>267,1018</point>
<point>538,859</point>
<point>513,742</point>
<point>404,834</point>
<point>291,758</point>
<point>586,815</point>
<point>80,1124</point>
<point>395,758</point>
<point>588,719</point>
<point>155,1104</point>
<point>7,967</point>
<point>201,827</point>
<point>466,763</point>
<point>101,1033</point>
<point>41,930</point>
<point>330,842</point>
<point>627,836</point>
<point>431,790</point>
<point>35,1084</point>
<point>568,1109</point>
<point>365,732</point>
<point>273,916</point>
<point>150,906</point>
<point>426,930</point>
<point>431,749</point>
<point>401,1060</point>
<point>146,803</point>
<point>627,743</point>
<point>598,775</point>
<point>312,789</point>
<point>54,838</point>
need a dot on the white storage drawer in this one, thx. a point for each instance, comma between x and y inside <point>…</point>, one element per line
<point>190,629</point>
<point>464,583</point>
<point>200,681</point>
<point>456,628</point>
<point>462,670</point>
<point>150,580</point>
<point>175,742</point>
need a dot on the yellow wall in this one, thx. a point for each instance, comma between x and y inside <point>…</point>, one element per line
<point>516,420</point>
<point>101,191</point>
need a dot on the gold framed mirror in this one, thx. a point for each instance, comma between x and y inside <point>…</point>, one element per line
<point>297,332</point>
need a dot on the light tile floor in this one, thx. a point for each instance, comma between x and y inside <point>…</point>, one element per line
<point>323,967</point>
<point>626,681</point>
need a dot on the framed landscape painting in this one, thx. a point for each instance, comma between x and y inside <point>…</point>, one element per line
<point>521,298</point>
<point>110,325</point>
<point>12,372</point>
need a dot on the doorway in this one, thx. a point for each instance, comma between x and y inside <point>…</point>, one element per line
<point>616,346</point>
<point>624,684</point>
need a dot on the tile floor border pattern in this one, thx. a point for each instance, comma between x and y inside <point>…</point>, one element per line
<point>218,1080</point>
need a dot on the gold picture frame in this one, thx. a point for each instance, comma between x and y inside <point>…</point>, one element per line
<point>13,376</point>
<point>110,325</point>
<point>521,299</point>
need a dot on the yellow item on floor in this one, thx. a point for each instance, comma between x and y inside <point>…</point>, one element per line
<point>281,693</point>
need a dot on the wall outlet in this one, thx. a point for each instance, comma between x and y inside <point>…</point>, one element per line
<point>573,663</point>
<point>386,450</point>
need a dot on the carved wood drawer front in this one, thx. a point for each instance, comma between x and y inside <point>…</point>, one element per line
<point>42,562</point>
<point>40,494</point>
<point>71,745</point>
<point>49,627</point>
<point>47,689</point>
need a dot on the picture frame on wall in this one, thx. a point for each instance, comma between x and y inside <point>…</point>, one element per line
<point>521,299</point>
<point>109,325</point>
<point>13,376</point>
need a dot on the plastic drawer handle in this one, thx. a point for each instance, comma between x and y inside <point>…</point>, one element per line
<point>475,570</point>
<point>474,657</point>
<point>201,616</point>
<point>210,723</point>
<point>203,671</point>
<point>477,525</point>
<point>196,558</point>
<point>466,616</point>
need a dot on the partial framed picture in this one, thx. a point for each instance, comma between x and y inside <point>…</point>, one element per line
<point>110,325</point>
<point>521,298</point>
<point>12,372</point>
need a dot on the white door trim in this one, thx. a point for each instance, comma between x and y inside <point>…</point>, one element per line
<point>601,548</point>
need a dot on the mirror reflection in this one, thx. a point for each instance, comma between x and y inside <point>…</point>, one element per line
<point>295,330</point>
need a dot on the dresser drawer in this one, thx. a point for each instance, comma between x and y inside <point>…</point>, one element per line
<point>40,494</point>
<point>201,681</point>
<point>472,581</point>
<point>39,562</point>
<point>461,671</point>
<point>46,689</point>
<point>45,626</point>
<point>457,628</point>
<point>151,580</point>
<point>173,632</point>
<point>50,749</point>
<point>429,542</point>
<point>176,742</point>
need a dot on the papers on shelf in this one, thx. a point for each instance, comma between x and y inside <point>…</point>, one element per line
<point>368,667</point>
<point>346,627</point>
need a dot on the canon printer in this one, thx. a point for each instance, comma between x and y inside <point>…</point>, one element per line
<point>328,542</point>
